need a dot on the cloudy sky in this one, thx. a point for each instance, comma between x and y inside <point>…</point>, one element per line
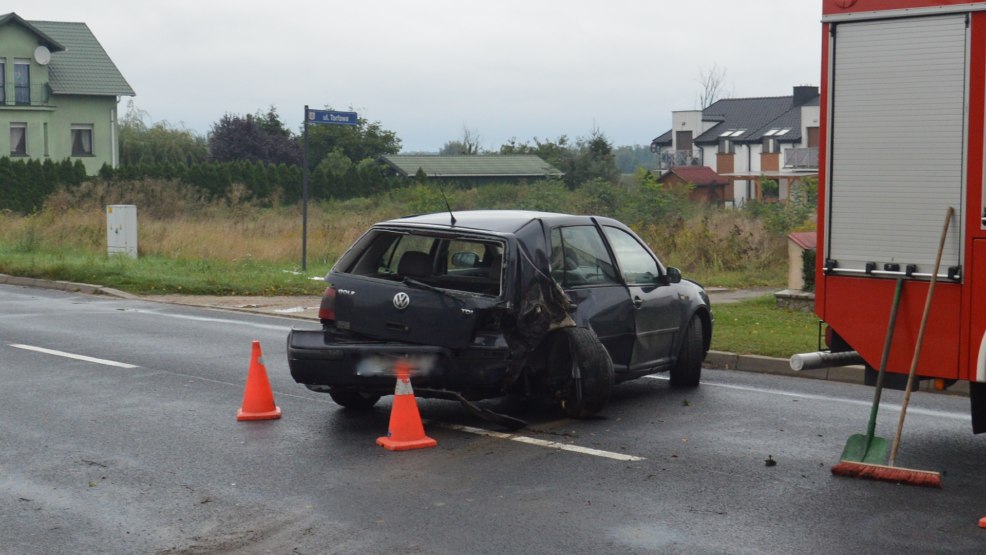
<point>428,69</point>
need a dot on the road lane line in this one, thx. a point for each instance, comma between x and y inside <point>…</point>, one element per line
<point>210,319</point>
<point>543,443</point>
<point>74,356</point>
<point>812,397</point>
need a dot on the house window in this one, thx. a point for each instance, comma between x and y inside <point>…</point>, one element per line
<point>18,139</point>
<point>3,82</point>
<point>82,140</point>
<point>770,145</point>
<point>22,81</point>
<point>726,146</point>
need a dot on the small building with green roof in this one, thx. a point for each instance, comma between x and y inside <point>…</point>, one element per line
<point>59,92</point>
<point>473,169</point>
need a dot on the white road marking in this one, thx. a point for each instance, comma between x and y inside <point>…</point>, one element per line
<point>543,443</point>
<point>825,398</point>
<point>206,319</point>
<point>74,356</point>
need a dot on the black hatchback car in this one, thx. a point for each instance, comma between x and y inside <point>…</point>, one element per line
<point>487,303</point>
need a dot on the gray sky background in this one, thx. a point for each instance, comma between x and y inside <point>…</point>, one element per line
<point>427,69</point>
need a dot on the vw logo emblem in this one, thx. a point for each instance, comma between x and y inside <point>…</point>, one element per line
<point>401,301</point>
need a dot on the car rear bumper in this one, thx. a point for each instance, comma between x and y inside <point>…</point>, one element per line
<point>319,358</point>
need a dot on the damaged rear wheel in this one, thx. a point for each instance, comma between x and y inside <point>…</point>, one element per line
<point>579,363</point>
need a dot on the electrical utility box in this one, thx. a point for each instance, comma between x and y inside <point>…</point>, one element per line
<point>121,229</point>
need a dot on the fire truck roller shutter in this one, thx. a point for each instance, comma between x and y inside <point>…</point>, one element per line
<point>898,95</point>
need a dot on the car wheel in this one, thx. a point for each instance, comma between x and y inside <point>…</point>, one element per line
<point>687,371</point>
<point>353,398</point>
<point>581,363</point>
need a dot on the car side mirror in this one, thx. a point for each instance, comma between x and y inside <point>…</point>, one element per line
<point>674,275</point>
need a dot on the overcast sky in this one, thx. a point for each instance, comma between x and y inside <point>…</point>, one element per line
<point>427,69</point>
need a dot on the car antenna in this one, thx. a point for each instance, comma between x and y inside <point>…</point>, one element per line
<point>450,214</point>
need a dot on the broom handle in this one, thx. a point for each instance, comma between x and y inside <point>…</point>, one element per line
<point>917,347</point>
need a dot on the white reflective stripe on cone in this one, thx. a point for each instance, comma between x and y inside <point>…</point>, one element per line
<point>403,387</point>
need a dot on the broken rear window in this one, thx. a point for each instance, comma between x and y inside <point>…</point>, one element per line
<point>464,264</point>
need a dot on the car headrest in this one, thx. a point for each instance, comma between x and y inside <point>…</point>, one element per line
<point>414,264</point>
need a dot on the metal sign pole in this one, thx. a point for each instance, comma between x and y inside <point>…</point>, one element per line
<point>304,202</point>
<point>326,117</point>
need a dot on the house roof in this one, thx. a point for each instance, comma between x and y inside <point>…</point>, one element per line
<point>49,42</point>
<point>663,139</point>
<point>807,240</point>
<point>750,119</point>
<point>696,175</point>
<point>519,165</point>
<point>745,116</point>
<point>78,65</point>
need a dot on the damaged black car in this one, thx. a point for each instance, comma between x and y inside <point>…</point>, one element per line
<point>489,303</point>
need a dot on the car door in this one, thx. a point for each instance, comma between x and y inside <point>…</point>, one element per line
<point>581,264</point>
<point>656,306</point>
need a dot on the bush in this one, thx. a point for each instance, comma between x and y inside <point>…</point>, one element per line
<point>808,269</point>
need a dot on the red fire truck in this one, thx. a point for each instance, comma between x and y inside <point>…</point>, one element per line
<point>902,139</point>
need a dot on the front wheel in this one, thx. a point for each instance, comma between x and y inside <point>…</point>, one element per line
<point>687,370</point>
<point>583,366</point>
<point>353,399</point>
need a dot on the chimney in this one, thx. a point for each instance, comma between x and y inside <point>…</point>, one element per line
<point>804,94</point>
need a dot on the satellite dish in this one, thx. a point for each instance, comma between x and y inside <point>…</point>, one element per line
<point>42,55</point>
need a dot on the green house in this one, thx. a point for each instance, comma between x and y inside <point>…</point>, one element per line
<point>59,93</point>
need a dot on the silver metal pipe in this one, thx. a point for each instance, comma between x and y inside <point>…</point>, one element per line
<point>824,359</point>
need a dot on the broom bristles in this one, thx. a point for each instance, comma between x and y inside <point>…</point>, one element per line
<point>884,473</point>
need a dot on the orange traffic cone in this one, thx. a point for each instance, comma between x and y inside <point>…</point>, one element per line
<point>406,431</point>
<point>258,399</point>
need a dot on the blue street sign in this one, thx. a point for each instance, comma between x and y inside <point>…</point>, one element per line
<point>331,117</point>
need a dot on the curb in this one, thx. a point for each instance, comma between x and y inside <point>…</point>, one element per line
<point>782,367</point>
<point>68,286</point>
<point>718,359</point>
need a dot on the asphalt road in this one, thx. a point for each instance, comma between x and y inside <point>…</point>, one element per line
<point>148,457</point>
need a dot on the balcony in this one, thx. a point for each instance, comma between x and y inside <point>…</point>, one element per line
<point>801,158</point>
<point>673,158</point>
<point>32,95</point>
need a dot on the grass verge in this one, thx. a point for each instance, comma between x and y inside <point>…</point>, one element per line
<point>157,275</point>
<point>760,327</point>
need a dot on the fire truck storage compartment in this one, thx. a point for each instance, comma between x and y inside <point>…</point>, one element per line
<point>897,141</point>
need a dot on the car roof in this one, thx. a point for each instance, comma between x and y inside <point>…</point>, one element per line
<point>499,221</point>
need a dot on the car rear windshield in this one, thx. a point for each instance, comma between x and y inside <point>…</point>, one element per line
<point>466,264</point>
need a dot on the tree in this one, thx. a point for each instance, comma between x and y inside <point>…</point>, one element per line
<point>157,143</point>
<point>356,142</point>
<point>469,144</point>
<point>590,158</point>
<point>553,152</point>
<point>260,137</point>
<point>713,83</point>
<point>629,158</point>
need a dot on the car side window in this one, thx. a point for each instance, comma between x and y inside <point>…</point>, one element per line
<point>579,257</point>
<point>636,263</point>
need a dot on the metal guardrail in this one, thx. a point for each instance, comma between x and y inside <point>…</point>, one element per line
<point>801,157</point>
<point>674,158</point>
<point>32,95</point>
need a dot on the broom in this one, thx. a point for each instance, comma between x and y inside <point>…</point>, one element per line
<point>890,472</point>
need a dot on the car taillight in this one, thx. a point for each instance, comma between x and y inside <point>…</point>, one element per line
<point>327,310</point>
